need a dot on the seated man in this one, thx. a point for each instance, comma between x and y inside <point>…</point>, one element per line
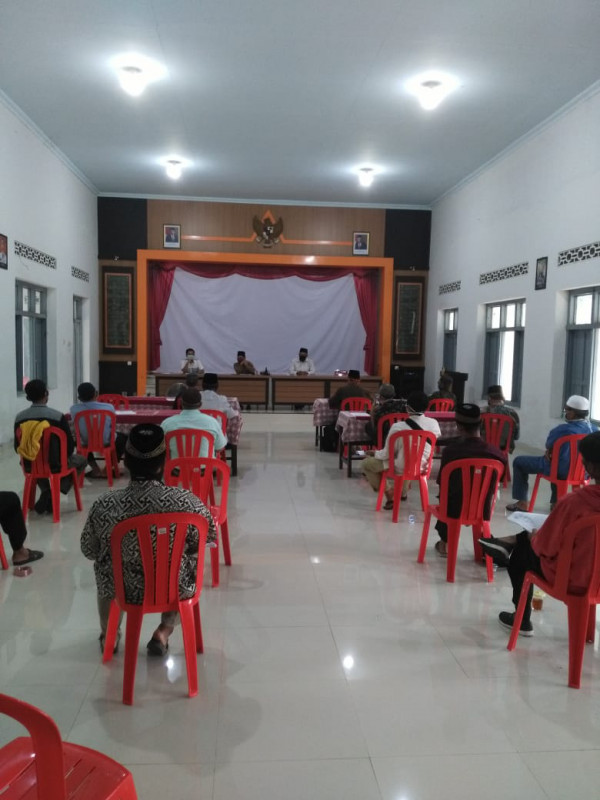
<point>538,551</point>
<point>497,405</point>
<point>26,423</point>
<point>146,494</point>
<point>192,417</point>
<point>470,445</point>
<point>444,391</point>
<point>576,422</point>
<point>350,389</point>
<point>303,365</point>
<point>13,525</point>
<point>377,460</point>
<point>388,404</point>
<point>87,394</point>
<point>242,366</point>
<point>211,398</point>
<point>190,363</point>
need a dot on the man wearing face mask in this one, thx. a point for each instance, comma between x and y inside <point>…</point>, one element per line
<point>191,364</point>
<point>303,365</point>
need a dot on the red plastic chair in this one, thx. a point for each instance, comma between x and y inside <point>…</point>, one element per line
<point>385,422</point>
<point>440,404</point>
<point>161,556</point>
<point>495,428</point>
<point>188,443</point>
<point>356,404</point>
<point>117,400</point>
<point>414,444</point>
<point>479,478</point>
<point>94,422</point>
<point>576,477</point>
<point>40,468</point>
<point>43,766</point>
<point>221,416</point>
<point>3,559</point>
<point>581,608</point>
<point>198,475</point>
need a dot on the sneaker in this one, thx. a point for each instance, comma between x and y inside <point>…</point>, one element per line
<point>507,618</point>
<point>497,549</point>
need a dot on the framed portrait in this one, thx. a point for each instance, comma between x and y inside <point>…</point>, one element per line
<point>360,243</point>
<point>172,236</point>
<point>541,273</point>
<point>3,251</point>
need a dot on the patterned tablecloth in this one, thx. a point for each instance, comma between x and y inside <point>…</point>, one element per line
<point>322,414</point>
<point>151,403</point>
<point>351,426</point>
<point>138,415</point>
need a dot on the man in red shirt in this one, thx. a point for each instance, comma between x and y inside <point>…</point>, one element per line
<point>539,550</point>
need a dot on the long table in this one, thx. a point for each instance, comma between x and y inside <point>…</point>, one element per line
<point>351,427</point>
<point>249,389</point>
<point>302,390</point>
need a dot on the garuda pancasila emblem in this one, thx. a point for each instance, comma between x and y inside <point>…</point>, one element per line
<point>267,231</point>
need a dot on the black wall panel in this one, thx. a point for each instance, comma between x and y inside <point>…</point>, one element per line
<point>407,238</point>
<point>122,227</point>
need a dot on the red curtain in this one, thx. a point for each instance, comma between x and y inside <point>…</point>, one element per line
<point>161,282</point>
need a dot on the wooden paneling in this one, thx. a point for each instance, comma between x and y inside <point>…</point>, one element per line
<point>234,220</point>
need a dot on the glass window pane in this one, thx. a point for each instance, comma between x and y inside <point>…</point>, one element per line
<point>507,353</point>
<point>38,302</point>
<point>595,383</point>
<point>495,317</point>
<point>25,299</point>
<point>583,309</point>
<point>522,315</point>
<point>511,315</point>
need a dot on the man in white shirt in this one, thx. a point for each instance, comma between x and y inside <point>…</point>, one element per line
<point>377,460</point>
<point>192,417</point>
<point>303,365</point>
<point>211,399</point>
<point>190,363</point>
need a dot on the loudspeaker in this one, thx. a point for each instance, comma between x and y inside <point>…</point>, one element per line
<point>122,227</point>
<point>407,238</point>
<point>406,379</point>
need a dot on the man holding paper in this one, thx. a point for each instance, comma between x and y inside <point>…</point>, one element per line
<point>538,550</point>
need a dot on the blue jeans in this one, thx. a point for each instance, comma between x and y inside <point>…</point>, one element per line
<point>522,468</point>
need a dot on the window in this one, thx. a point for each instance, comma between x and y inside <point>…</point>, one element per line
<point>505,324</point>
<point>30,321</point>
<point>582,369</point>
<point>450,335</point>
<point>77,344</point>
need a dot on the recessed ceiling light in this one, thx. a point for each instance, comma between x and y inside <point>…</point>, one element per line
<point>431,88</point>
<point>174,165</point>
<point>135,72</point>
<point>365,176</point>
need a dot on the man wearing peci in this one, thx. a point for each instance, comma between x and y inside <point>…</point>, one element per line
<point>242,366</point>
<point>192,417</point>
<point>303,365</point>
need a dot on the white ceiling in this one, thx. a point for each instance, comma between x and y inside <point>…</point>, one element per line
<point>279,101</point>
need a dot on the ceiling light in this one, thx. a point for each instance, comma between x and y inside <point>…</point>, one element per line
<point>431,88</point>
<point>174,168</point>
<point>366,175</point>
<point>135,72</point>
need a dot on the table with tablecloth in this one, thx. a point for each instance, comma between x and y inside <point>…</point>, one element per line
<point>322,416</point>
<point>351,425</point>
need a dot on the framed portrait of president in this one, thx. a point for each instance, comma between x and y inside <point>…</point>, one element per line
<point>172,236</point>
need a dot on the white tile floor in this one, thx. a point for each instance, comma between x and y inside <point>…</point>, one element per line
<point>335,666</point>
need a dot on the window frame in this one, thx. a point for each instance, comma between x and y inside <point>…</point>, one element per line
<point>583,349</point>
<point>37,335</point>
<point>450,339</point>
<point>494,340</point>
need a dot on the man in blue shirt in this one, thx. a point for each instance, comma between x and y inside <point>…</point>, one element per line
<point>576,412</point>
<point>87,394</point>
<point>192,417</point>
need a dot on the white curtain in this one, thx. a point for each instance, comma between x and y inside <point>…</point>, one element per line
<point>269,319</point>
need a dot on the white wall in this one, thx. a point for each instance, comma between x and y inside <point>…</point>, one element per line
<point>539,198</point>
<point>43,204</point>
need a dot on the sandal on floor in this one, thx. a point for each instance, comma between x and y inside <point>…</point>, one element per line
<point>388,505</point>
<point>440,549</point>
<point>34,555</point>
<point>115,648</point>
<point>514,507</point>
<point>156,648</point>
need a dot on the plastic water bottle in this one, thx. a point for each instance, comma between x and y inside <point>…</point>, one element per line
<point>411,519</point>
